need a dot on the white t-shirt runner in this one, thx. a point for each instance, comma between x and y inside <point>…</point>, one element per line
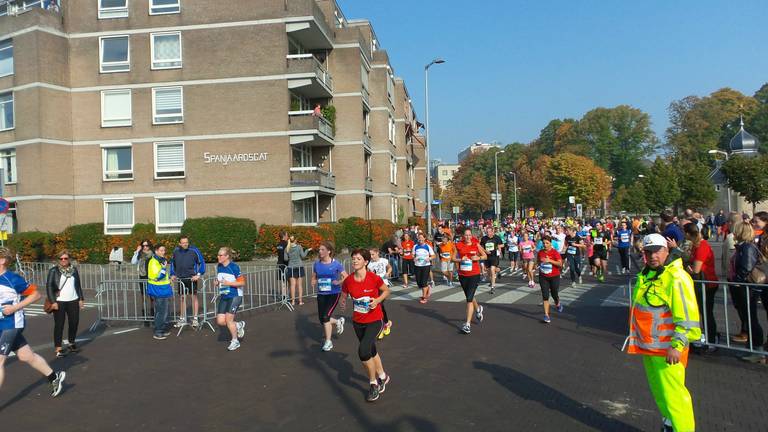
<point>380,268</point>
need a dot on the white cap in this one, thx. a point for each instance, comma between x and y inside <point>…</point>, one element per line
<point>654,242</point>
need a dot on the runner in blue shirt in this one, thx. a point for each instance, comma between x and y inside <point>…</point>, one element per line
<point>327,275</point>
<point>16,294</point>
<point>230,282</point>
<point>624,239</point>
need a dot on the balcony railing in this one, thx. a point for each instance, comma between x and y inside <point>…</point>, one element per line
<point>369,184</point>
<point>313,177</point>
<point>367,141</point>
<point>366,97</point>
<point>18,7</point>
<point>308,63</point>
<point>305,120</point>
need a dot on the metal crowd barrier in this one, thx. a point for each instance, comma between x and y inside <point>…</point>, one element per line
<point>724,315</point>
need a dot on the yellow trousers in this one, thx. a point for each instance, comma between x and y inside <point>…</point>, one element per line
<point>667,384</point>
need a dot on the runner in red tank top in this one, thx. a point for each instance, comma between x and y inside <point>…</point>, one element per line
<point>468,254</point>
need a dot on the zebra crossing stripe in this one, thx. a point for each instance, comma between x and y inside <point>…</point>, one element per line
<point>514,295</point>
<point>617,298</point>
<point>571,294</point>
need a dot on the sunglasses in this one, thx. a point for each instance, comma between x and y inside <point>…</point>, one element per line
<point>64,259</point>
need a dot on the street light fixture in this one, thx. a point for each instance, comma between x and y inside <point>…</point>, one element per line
<point>426,141</point>
<point>727,188</point>
<point>496,203</point>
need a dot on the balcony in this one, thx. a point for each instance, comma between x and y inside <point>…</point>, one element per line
<point>366,98</point>
<point>369,184</point>
<point>307,128</point>
<point>311,77</point>
<point>367,142</point>
<point>312,177</point>
<point>308,25</point>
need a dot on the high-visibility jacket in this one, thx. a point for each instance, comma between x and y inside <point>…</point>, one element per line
<point>158,282</point>
<point>664,312</point>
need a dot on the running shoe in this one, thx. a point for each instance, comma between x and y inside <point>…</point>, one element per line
<point>373,393</point>
<point>58,383</point>
<point>340,326</point>
<point>383,383</point>
<point>327,345</point>
<point>195,322</point>
<point>531,284</point>
<point>492,289</point>
<point>180,322</point>
<point>166,333</point>
<point>235,344</point>
<point>61,354</point>
<point>479,314</point>
<point>160,336</point>
<point>580,280</point>
<point>560,308</point>
<point>381,335</point>
<point>465,328</point>
<point>601,278</point>
<point>546,319</point>
<point>387,328</point>
<point>73,348</point>
<point>423,300</point>
<point>240,329</point>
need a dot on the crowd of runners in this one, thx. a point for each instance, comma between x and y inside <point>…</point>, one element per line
<point>532,250</point>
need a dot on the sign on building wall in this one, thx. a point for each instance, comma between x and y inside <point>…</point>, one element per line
<point>227,158</point>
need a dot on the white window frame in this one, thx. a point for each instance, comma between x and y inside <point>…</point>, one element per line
<point>169,228</point>
<point>152,52</point>
<point>121,229</point>
<point>183,160</point>
<point>113,12</point>
<point>13,108</point>
<point>104,148</point>
<point>13,172</point>
<point>126,63</point>
<point>178,3</point>
<point>154,108</point>
<point>13,64</point>
<point>117,122</point>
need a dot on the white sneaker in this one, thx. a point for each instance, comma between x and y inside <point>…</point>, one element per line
<point>339,327</point>
<point>240,329</point>
<point>235,344</point>
<point>195,322</point>
<point>327,345</point>
<point>180,322</point>
<point>580,281</point>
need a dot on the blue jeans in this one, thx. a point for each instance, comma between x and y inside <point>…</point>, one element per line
<point>395,267</point>
<point>574,266</point>
<point>161,315</point>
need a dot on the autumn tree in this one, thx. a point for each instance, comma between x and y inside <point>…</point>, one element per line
<point>630,198</point>
<point>748,176</point>
<point>578,176</point>
<point>534,188</point>
<point>476,196</point>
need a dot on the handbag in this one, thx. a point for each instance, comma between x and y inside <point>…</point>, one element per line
<point>759,274</point>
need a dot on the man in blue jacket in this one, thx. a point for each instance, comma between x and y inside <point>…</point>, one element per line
<point>187,266</point>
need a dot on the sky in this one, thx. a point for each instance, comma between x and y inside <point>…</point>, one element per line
<point>512,66</point>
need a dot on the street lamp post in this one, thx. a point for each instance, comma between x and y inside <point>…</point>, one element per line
<point>727,188</point>
<point>514,179</point>
<point>426,141</point>
<point>496,203</point>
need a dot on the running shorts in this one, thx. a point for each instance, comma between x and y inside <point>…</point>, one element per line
<point>469,286</point>
<point>422,275</point>
<point>326,304</point>
<point>492,261</point>
<point>513,256</point>
<point>186,286</point>
<point>229,305</point>
<point>446,266</point>
<point>294,272</point>
<point>11,340</point>
<point>408,267</point>
<point>366,333</point>
<point>550,286</point>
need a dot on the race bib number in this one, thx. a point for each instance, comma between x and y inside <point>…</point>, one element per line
<point>598,240</point>
<point>445,255</point>
<point>490,247</point>
<point>407,252</point>
<point>526,249</point>
<point>224,291</point>
<point>513,248</point>
<point>571,250</point>
<point>546,268</point>
<point>325,285</point>
<point>625,238</point>
<point>362,305</point>
<point>466,265</point>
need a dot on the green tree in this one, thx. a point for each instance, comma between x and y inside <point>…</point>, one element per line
<point>748,176</point>
<point>757,123</point>
<point>630,198</point>
<point>476,197</point>
<point>619,140</point>
<point>696,190</point>
<point>661,185</point>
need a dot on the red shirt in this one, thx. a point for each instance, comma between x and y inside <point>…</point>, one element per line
<point>548,269</point>
<point>469,251</point>
<point>407,246</point>
<point>704,254</point>
<point>362,293</point>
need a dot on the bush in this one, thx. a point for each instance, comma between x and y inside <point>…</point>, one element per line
<point>211,233</point>
<point>355,232</point>
<point>308,237</point>
<point>87,242</point>
<point>33,245</point>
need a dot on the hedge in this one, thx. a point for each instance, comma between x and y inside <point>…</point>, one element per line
<point>211,233</point>
<point>33,245</point>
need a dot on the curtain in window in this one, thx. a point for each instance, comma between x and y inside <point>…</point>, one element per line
<point>6,111</point>
<point>119,213</point>
<point>171,211</point>
<point>170,157</point>
<point>168,101</point>
<point>167,48</point>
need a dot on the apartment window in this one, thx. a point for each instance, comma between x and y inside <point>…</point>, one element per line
<point>302,156</point>
<point>392,170</point>
<point>364,76</point>
<point>305,210</point>
<point>6,57</point>
<point>113,9</point>
<point>4,9</point>
<point>170,214</point>
<point>367,121</point>
<point>160,7</point>
<point>166,50</point>
<point>115,54</point>
<point>300,103</point>
<point>168,105</point>
<point>391,129</point>
<point>390,88</point>
<point>118,162</point>
<point>411,176</point>
<point>118,216</point>
<point>6,111</point>
<point>8,164</point>
<point>169,159</point>
<point>115,108</point>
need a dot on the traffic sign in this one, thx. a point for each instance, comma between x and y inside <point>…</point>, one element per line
<point>437,202</point>
<point>4,205</point>
<point>456,210</point>
<point>572,199</point>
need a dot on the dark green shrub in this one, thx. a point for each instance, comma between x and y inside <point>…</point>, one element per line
<point>211,233</point>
